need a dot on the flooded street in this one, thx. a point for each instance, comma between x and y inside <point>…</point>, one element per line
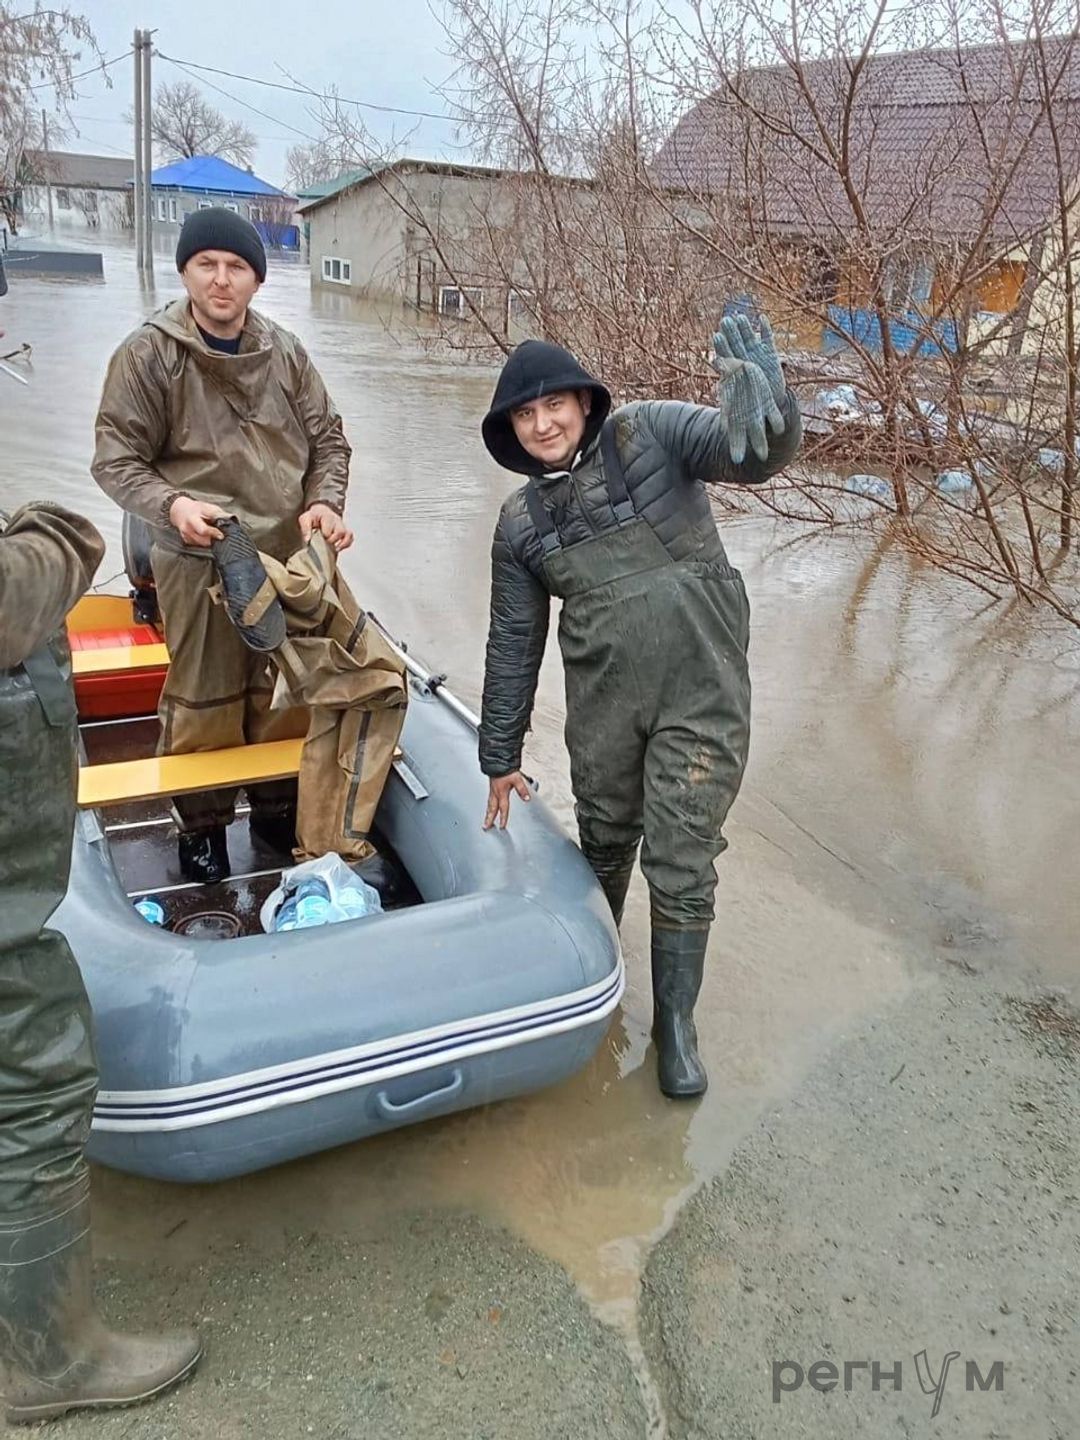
<point>909,812</point>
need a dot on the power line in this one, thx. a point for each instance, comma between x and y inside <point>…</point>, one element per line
<point>310,94</point>
<point>104,144</point>
<point>94,70</point>
<point>237,101</point>
<point>112,120</point>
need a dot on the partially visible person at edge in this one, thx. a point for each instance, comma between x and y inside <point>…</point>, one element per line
<point>616,521</point>
<point>210,409</point>
<point>56,1353</point>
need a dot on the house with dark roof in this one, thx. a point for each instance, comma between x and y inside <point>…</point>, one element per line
<point>81,186</point>
<point>201,182</point>
<point>924,156</point>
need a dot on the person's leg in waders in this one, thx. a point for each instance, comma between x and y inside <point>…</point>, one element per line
<point>56,1354</point>
<point>216,696</point>
<point>694,764</point>
<point>658,723</point>
<point>609,790</point>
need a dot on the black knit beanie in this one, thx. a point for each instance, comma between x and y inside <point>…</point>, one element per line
<point>221,229</point>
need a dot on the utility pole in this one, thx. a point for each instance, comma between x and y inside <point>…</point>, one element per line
<point>139,203</point>
<point>148,164</point>
<point>48,166</point>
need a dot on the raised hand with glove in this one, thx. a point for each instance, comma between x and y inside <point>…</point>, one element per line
<point>751,388</point>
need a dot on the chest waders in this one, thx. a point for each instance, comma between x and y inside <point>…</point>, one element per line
<point>658,729</point>
<point>217,695</point>
<point>55,1352</point>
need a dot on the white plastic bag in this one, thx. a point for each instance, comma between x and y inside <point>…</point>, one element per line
<point>350,896</point>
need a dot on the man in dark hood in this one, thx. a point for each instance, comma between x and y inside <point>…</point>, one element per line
<point>615,520</point>
<point>56,1353</point>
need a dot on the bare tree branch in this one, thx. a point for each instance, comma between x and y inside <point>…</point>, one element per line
<point>184,123</point>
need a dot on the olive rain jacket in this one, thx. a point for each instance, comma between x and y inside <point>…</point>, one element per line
<point>255,433</point>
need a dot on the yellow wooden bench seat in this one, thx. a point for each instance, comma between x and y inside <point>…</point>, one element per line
<point>120,658</point>
<point>100,612</point>
<point>121,781</point>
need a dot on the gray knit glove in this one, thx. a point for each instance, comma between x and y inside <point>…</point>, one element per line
<point>751,385</point>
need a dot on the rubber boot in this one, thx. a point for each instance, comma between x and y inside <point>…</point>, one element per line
<point>613,865</point>
<point>251,601</point>
<point>204,855</point>
<point>274,830</point>
<point>56,1352</point>
<point>384,876</point>
<point>678,963</point>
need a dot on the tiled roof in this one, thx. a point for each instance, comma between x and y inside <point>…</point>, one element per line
<point>929,132</point>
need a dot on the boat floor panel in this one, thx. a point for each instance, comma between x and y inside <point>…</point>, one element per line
<point>142,841</point>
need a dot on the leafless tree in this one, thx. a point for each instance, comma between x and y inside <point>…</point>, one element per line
<point>184,123</point>
<point>894,242</point>
<point>39,45</point>
<point>277,217</point>
<point>648,172</point>
<point>88,204</point>
<point>121,211</point>
<point>646,177</point>
<point>312,164</point>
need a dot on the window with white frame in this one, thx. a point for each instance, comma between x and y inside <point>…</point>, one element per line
<point>336,270</point>
<point>206,204</point>
<point>909,282</point>
<point>63,198</point>
<point>232,205</point>
<point>255,214</point>
<point>172,209</point>
<point>162,208</point>
<point>454,300</point>
<point>519,307</point>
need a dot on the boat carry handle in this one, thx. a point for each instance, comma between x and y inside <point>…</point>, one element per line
<point>411,1108</point>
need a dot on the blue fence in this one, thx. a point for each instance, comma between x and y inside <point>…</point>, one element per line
<point>909,334</point>
<point>283,237</point>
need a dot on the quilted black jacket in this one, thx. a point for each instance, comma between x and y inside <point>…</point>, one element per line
<point>667,449</point>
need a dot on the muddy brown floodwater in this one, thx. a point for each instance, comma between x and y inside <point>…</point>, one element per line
<point>910,805</point>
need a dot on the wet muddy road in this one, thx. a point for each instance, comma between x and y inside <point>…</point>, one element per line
<point>908,812</point>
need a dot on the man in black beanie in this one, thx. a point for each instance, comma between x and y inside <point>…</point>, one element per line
<point>210,409</point>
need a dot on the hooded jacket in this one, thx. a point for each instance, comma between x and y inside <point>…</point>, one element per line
<point>534,369</point>
<point>254,432</point>
<point>667,449</point>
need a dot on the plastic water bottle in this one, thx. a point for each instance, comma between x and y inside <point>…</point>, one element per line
<point>358,899</point>
<point>151,910</point>
<point>308,906</point>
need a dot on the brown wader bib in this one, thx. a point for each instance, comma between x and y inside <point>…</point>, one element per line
<point>342,669</point>
<point>657,699</point>
<point>217,692</point>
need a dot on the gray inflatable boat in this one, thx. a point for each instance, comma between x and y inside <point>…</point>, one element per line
<point>223,1056</point>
